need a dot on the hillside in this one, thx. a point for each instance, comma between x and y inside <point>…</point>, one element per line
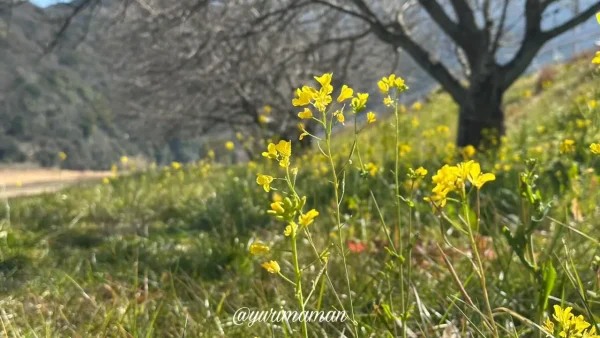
<point>53,102</point>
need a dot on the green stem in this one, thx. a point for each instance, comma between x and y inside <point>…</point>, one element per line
<point>481,273</point>
<point>399,215</point>
<point>339,224</point>
<point>298,275</point>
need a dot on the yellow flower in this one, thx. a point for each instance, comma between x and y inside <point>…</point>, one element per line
<point>570,326</point>
<point>271,152</point>
<point>267,109</point>
<point>277,207</point>
<point>371,168</point>
<point>404,149</point>
<point>271,267</point>
<point>284,148</point>
<point>391,81</point>
<point>596,59</point>
<point>371,117</point>
<point>404,110</point>
<point>340,117</point>
<point>442,129</point>
<point>257,248</point>
<point>113,168</point>
<point>229,145</point>
<point>211,153</point>
<point>595,148</point>
<point>308,218</point>
<point>305,114</point>
<point>592,104</point>
<point>415,122</point>
<point>106,180</point>
<point>284,162</point>
<point>468,151</point>
<point>304,96</point>
<point>124,159</point>
<point>277,197</point>
<point>388,101</point>
<point>567,146</point>
<point>290,230</point>
<point>422,172</point>
<point>263,119</point>
<point>175,165</point>
<point>540,129</point>
<point>359,102</point>
<point>265,181</point>
<point>477,178</point>
<point>325,80</point>
<point>62,156</point>
<point>528,93</point>
<point>384,87</point>
<point>345,93</point>
<point>417,106</point>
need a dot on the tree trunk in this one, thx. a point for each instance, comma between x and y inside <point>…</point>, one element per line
<point>481,111</point>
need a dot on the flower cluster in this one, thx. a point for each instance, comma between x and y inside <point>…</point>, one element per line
<point>453,178</point>
<point>569,325</point>
<point>280,152</point>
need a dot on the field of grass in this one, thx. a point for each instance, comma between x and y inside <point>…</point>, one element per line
<point>166,252</point>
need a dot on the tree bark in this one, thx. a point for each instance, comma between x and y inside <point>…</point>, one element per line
<point>480,111</point>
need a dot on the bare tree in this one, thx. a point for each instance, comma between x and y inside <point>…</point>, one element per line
<point>477,29</point>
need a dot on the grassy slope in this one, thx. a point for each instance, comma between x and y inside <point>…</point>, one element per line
<point>165,251</point>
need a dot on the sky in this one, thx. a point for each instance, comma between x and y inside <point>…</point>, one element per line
<point>44,3</point>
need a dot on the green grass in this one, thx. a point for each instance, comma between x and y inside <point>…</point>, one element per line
<point>164,253</point>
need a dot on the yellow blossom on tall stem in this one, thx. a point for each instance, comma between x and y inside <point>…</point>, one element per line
<point>371,117</point>
<point>271,267</point>
<point>345,93</point>
<point>264,181</point>
<point>308,218</point>
<point>305,114</point>
<point>229,145</point>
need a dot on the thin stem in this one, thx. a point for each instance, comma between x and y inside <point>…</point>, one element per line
<point>481,273</point>
<point>298,275</point>
<point>339,223</point>
<point>399,215</point>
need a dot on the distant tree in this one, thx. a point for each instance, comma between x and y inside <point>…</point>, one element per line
<point>477,29</point>
<point>200,64</point>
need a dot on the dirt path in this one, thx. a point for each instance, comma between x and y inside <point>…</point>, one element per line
<point>22,182</point>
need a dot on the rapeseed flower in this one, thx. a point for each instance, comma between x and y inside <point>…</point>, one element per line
<point>359,102</point>
<point>567,146</point>
<point>290,229</point>
<point>305,114</point>
<point>271,267</point>
<point>257,248</point>
<point>304,96</point>
<point>468,152</point>
<point>345,93</point>
<point>388,101</point>
<point>595,148</point>
<point>569,325</point>
<point>477,178</point>
<point>264,181</point>
<point>229,145</point>
<point>308,218</point>
<point>176,165</point>
<point>371,117</point>
<point>62,155</point>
